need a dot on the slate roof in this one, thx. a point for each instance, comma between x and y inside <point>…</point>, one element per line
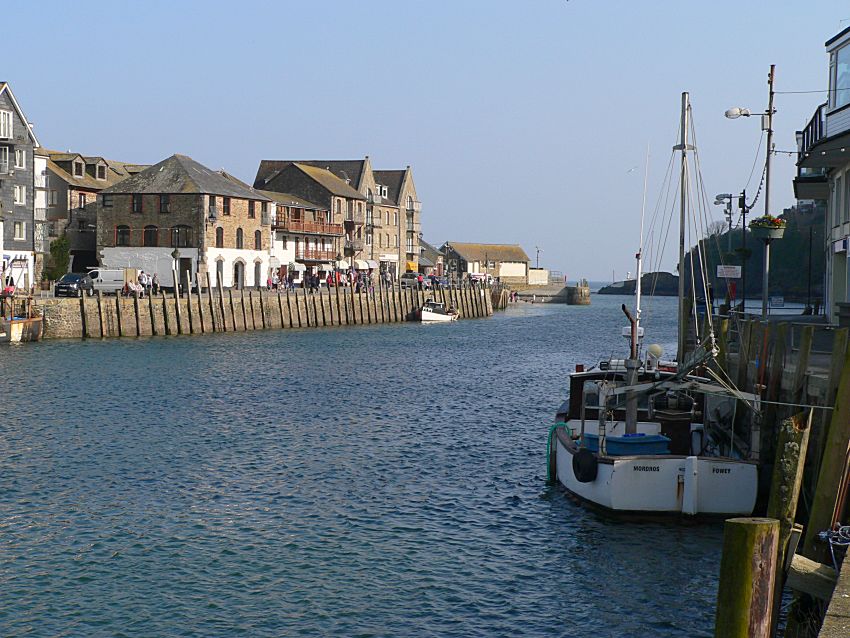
<point>350,170</point>
<point>429,251</point>
<point>115,171</point>
<point>493,252</point>
<point>181,174</point>
<point>392,180</point>
<point>324,178</point>
<point>288,199</point>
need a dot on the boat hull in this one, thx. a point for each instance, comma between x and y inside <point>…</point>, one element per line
<point>435,317</point>
<point>661,484</point>
<point>19,330</point>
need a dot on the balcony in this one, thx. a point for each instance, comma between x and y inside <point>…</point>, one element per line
<point>314,254</point>
<point>40,214</point>
<point>40,179</point>
<point>354,244</point>
<point>355,217</point>
<point>412,249</point>
<point>414,207</point>
<point>4,167</point>
<point>312,228</point>
<point>374,222</point>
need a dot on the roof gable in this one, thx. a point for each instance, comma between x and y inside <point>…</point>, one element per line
<point>392,180</point>
<point>5,88</point>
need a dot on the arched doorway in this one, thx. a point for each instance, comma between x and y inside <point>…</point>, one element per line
<point>238,275</point>
<point>219,272</point>
<point>258,274</point>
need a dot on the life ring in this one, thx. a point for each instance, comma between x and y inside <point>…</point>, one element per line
<point>585,465</point>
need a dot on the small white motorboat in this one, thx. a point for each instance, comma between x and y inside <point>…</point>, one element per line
<point>435,311</point>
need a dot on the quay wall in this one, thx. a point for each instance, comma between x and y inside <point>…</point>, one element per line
<point>228,310</point>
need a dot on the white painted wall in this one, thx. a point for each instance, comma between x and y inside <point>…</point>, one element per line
<point>151,260</point>
<point>228,257</point>
<point>537,276</point>
<point>512,269</point>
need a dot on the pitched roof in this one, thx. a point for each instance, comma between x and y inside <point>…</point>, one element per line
<point>392,180</point>
<point>351,170</point>
<point>321,176</point>
<point>181,174</point>
<point>288,199</point>
<point>4,87</point>
<point>115,171</point>
<point>429,251</point>
<point>492,252</point>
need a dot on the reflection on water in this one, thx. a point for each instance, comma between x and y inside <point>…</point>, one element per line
<point>378,480</point>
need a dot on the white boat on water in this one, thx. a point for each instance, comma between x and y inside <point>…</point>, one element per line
<point>435,311</point>
<point>642,436</point>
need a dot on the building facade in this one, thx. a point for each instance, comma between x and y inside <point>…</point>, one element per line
<point>180,214</point>
<point>824,174</point>
<point>19,264</point>
<point>506,262</point>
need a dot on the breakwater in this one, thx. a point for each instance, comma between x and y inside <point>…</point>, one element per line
<point>220,310</point>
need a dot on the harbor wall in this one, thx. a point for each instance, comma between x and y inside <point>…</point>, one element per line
<point>227,310</point>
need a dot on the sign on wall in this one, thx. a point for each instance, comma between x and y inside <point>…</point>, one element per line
<point>729,272</point>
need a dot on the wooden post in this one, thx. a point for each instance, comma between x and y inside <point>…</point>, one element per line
<point>174,278</point>
<point>232,308</point>
<point>832,468</point>
<point>100,313</point>
<point>244,312</point>
<point>744,329</point>
<point>747,573</point>
<point>297,308</point>
<point>351,297</point>
<point>263,309</point>
<point>119,307</point>
<point>374,305</point>
<point>165,322</point>
<point>200,304</point>
<point>83,322</point>
<point>785,488</point>
<point>839,347</point>
<point>767,434</point>
<point>221,304</point>
<point>306,309</point>
<point>280,307</point>
<point>136,312</point>
<point>210,299</point>
<point>152,315</point>
<point>289,309</point>
<point>191,321</point>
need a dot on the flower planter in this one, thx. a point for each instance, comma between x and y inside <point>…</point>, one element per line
<point>765,232</point>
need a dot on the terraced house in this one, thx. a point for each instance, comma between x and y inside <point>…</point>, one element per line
<point>18,233</point>
<point>73,183</point>
<point>180,214</point>
<point>381,222</point>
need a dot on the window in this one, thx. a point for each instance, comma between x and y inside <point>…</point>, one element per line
<point>225,205</point>
<point>78,169</point>
<point>846,209</point>
<point>105,199</point>
<point>258,240</point>
<point>20,194</point>
<point>101,171</point>
<point>137,202</point>
<point>6,124</point>
<point>20,231</point>
<point>82,200</point>
<point>52,198</point>
<point>368,239</point>
<point>181,236</point>
<point>251,213</point>
<point>395,218</point>
<point>338,209</point>
<point>839,77</point>
<point>380,240</point>
<point>239,238</point>
<point>219,237</point>
<point>4,158</point>
<point>360,207</point>
<point>264,207</point>
<point>151,237</point>
<point>20,158</point>
<point>839,187</point>
<point>164,204</point>
<point>212,204</point>
<point>122,235</point>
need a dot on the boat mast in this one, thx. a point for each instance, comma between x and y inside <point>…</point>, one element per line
<point>639,257</point>
<point>683,203</point>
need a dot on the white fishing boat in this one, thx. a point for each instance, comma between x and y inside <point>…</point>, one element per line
<point>643,436</point>
<point>435,311</point>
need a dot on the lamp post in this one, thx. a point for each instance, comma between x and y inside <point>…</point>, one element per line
<point>720,200</point>
<point>766,125</point>
<point>539,250</point>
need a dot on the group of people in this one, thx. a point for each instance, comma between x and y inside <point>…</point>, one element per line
<point>144,285</point>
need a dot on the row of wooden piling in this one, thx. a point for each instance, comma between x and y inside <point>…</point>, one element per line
<point>216,310</point>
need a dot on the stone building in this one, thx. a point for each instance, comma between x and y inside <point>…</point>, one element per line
<point>180,213</point>
<point>306,232</point>
<point>507,262</point>
<point>18,257</point>
<point>431,259</point>
<point>388,234</point>
<point>73,182</point>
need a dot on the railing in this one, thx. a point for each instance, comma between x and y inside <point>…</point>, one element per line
<point>40,180</point>
<point>40,214</point>
<point>414,208</point>
<point>315,254</point>
<point>356,217</point>
<point>374,221</point>
<point>299,226</point>
<point>412,249</point>
<point>4,167</point>
<point>412,226</point>
<point>354,244</point>
<point>815,130</point>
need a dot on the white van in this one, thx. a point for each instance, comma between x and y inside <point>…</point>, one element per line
<point>108,280</point>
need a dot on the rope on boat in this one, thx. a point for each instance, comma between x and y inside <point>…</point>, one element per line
<point>552,429</point>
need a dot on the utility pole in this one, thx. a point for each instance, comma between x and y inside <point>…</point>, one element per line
<point>742,204</point>
<point>767,124</point>
<point>538,255</point>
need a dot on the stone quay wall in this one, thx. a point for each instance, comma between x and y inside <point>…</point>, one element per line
<point>228,310</point>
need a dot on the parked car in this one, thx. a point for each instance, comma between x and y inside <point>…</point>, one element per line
<point>73,285</point>
<point>108,280</point>
<point>411,280</point>
<point>438,282</point>
<point>481,278</point>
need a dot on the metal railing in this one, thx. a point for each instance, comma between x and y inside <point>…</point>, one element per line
<point>4,167</point>
<point>315,254</point>
<point>815,130</point>
<point>355,216</point>
<point>40,214</point>
<point>300,226</point>
<point>354,244</point>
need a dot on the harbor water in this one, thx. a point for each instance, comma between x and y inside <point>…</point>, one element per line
<point>365,481</point>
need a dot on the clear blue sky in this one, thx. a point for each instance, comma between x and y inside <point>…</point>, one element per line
<point>521,120</point>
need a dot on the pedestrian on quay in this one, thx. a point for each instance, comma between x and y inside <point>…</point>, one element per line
<point>155,283</point>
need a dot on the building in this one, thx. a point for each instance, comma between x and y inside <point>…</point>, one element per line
<point>431,259</point>
<point>507,262</point>
<point>17,193</point>
<point>824,173</point>
<point>305,236</point>
<point>387,236</point>
<point>181,213</point>
<point>74,182</point>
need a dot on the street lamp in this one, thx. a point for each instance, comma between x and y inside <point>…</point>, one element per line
<point>539,250</point>
<point>720,200</point>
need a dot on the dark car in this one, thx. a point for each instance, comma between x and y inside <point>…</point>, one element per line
<point>73,285</point>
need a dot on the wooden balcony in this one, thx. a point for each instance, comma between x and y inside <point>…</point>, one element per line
<point>311,228</point>
<point>311,254</point>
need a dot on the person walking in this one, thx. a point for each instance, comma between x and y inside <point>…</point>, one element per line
<point>155,283</point>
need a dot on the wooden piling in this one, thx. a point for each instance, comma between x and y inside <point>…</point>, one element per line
<point>747,573</point>
<point>154,331</point>
<point>136,312</point>
<point>177,312</point>
<point>190,320</point>
<point>83,321</point>
<point>100,313</point>
<point>119,307</point>
<point>200,305</point>
<point>244,311</point>
<point>212,307</point>
<point>798,387</point>
<point>221,305</point>
<point>165,321</point>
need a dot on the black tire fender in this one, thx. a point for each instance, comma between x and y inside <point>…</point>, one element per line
<point>585,466</point>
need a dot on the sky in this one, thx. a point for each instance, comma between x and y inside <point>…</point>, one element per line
<point>523,122</point>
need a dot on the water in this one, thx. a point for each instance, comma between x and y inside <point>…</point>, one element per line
<point>370,481</point>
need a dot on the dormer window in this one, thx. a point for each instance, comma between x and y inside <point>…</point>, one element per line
<point>101,171</point>
<point>79,168</point>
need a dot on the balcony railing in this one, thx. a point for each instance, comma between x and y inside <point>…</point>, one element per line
<point>815,130</point>
<point>412,226</point>
<point>4,167</point>
<point>40,180</point>
<point>40,214</point>
<point>412,249</point>
<point>354,244</point>
<point>314,254</point>
<point>415,207</point>
<point>355,217</point>
<point>300,226</point>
